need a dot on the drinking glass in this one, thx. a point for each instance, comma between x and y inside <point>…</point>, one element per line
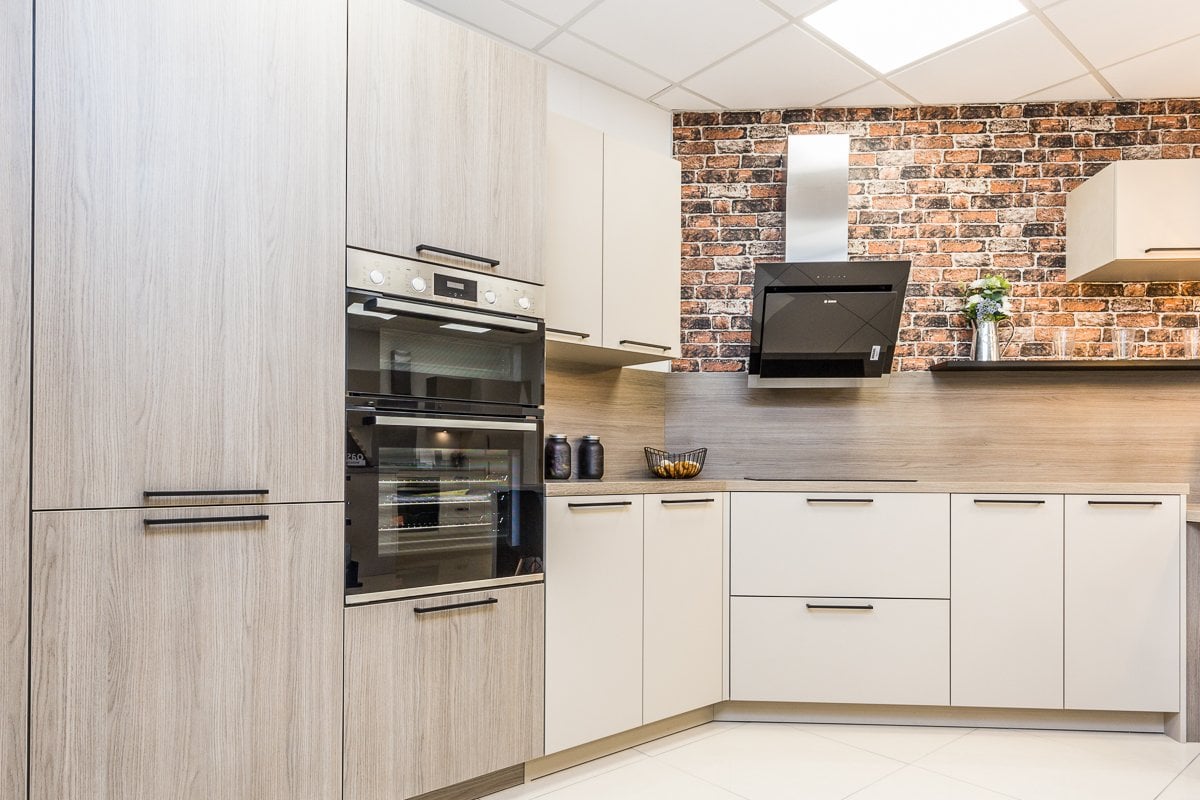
<point>1063,343</point>
<point>1193,343</point>
<point>1123,343</point>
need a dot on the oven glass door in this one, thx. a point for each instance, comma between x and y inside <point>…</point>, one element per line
<point>437,500</point>
<point>406,349</point>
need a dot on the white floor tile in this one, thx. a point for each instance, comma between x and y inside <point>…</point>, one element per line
<point>1140,747</point>
<point>667,743</point>
<point>1186,786</point>
<point>903,743</point>
<point>645,780</point>
<point>1039,767</point>
<point>770,762</point>
<point>567,777</point>
<point>914,783</point>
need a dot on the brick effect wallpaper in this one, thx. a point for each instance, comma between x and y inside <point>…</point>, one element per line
<point>959,190</point>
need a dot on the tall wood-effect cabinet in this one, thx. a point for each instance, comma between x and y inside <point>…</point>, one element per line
<point>16,162</point>
<point>446,142</point>
<point>189,245</point>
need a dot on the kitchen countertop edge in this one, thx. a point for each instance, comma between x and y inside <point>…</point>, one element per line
<point>660,486</point>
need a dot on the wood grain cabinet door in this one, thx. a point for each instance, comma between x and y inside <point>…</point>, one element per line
<point>189,249</point>
<point>441,690</point>
<point>192,660</point>
<point>447,141</point>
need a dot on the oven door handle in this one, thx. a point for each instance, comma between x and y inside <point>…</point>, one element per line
<point>457,424</point>
<point>422,310</point>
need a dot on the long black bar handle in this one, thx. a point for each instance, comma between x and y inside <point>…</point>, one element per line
<point>838,500</point>
<point>820,607</point>
<point>663,347</point>
<point>580,334</point>
<point>206,520</point>
<point>986,502</point>
<point>601,505</point>
<point>1171,249</point>
<point>491,601</point>
<point>1124,502</point>
<point>694,500</point>
<point>491,262</point>
<point>208,493</point>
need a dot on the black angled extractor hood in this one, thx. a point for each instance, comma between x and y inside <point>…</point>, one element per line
<point>825,324</point>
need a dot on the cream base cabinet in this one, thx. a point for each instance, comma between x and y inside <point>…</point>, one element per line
<point>683,599</point>
<point>593,618</point>
<point>1006,613</point>
<point>446,141</point>
<point>1122,602</point>
<point>196,659</point>
<point>188,250</point>
<point>441,690</point>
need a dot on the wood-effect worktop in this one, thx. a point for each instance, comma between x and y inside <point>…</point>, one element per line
<point>661,486</point>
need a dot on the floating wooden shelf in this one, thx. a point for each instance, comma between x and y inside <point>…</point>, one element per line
<point>1080,364</point>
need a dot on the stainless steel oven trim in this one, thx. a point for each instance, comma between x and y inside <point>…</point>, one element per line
<point>442,588</point>
<point>457,424</point>
<point>444,312</point>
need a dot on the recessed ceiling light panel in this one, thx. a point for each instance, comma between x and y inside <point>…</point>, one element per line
<point>888,34</point>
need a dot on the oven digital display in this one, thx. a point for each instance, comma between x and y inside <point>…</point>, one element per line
<point>458,288</point>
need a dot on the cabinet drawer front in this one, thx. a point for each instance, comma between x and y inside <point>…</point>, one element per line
<point>1122,602</point>
<point>791,649</point>
<point>840,545</point>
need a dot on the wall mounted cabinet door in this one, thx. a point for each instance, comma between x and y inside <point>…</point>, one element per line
<point>441,690</point>
<point>447,141</point>
<point>1122,602</point>
<point>1006,614</point>
<point>684,595</point>
<point>641,249</point>
<point>593,618</point>
<point>189,249</point>
<point>199,659</point>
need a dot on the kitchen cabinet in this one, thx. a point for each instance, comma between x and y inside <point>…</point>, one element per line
<point>194,659</point>
<point>446,142</point>
<point>1136,221</point>
<point>683,599</point>
<point>440,690</point>
<point>16,161</point>
<point>612,249</point>
<point>189,251</point>
<point>594,568</point>
<point>1006,618</point>
<point>1122,602</point>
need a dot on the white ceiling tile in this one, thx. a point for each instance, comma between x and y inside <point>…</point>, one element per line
<point>676,38</point>
<point>788,68</point>
<point>557,11</point>
<point>1001,66</point>
<point>877,93</point>
<point>799,8</point>
<point>1170,72</point>
<point>591,60</point>
<point>679,99</point>
<point>1108,31</point>
<point>498,18</point>
<point>1085,87</point>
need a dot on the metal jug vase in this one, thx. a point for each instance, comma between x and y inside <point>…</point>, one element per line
<point>986,346</point>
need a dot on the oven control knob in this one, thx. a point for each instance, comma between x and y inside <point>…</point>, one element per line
<point>418,284</point>
<point>524,303</point>
<point>376,277</point>
<point>490,297</point>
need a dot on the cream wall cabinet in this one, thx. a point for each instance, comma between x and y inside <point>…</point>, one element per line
<point>194,659</point>
<point>612,249</point>
<point>1006,616</point>
<point>189,242</point>
<point>446,142</point>
<point>1136,221</point>
<point>1123,602</point>
<point>441,690</point>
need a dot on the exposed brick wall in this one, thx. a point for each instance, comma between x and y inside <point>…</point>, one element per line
<point>959,190</point>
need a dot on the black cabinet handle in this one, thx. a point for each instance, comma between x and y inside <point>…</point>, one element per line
<point>662,347</point>
<point>1171,249</point>
<point>207,493</point>
<point>985,502</point>
<point>600,505</point>
<point>696,500</point>
<point>205,520</point>
<point>838,500</point>
<point>491,601</point>
<point>456,254</point>
<point>569,333</point>
<point>821,606</point>
<point>1124,502</point>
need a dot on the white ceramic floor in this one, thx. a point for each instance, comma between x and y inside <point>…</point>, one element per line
<point>760,761</point>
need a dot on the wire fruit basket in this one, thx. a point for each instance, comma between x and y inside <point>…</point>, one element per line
<point>686,464</point>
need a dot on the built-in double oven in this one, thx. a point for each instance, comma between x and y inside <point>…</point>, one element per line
<point>444,383</point>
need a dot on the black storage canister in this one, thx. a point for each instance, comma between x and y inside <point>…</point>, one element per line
<point>558,457</point>
<point>591,459</point>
